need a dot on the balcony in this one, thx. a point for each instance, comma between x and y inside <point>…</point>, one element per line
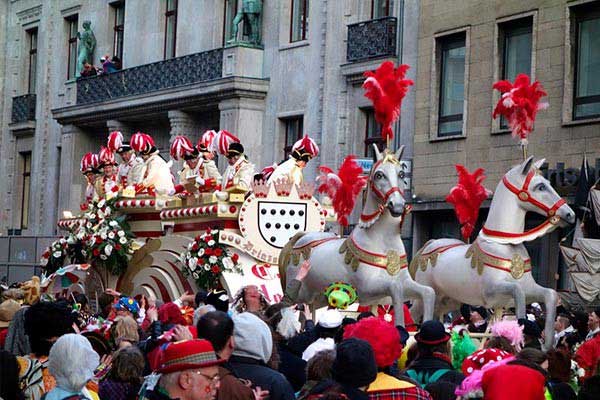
<point>23,108</point>
<point>193,68</point>
<point>372,39</point>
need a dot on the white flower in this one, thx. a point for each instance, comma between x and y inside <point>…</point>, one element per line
<point>89,225</point>
<point>206,267</point>
<point>123,240</point>
<point>113,223</point>
<point>195,275</point>
<point>103,236</point>
<point>101,203</point>
<point>228,263</point>
<point>56,254</point>
<point>121,233</point>
<point>108,249</point>
<point>188,254</point>
<point>192,263</point>
<point>100,214</point>
<point>111,235</point>
<point>213,259</point>
<point>71,239</point>
<point>211,243</point>
<point>107,211</point>
<point>200,252</point>
<point>103,257</point>
<point>44,261</point>
<point>214,232</point>
<point>84,252</point>
<point>92,216</point>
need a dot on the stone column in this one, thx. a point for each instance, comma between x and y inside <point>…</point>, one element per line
<point>182,124</point>
<point>244,118</point>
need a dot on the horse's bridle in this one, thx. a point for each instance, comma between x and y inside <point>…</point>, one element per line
<point>384,197</point>
<point>524,195</point>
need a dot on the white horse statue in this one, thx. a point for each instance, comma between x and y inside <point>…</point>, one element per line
<point>372,258</point>
<point>495,271</point>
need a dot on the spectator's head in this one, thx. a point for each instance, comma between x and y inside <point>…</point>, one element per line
<point>105,303</point>
<point>124,332</point>
<point>252,337</point>
<point>478,314</point>
<point>72,362</point>
<point>432,338</point>
<point>8,309</point>
<point>189,370</point>
<point>511,331</point>
<point>590,389</point>
<point>170,314</point>
<point>559,366</point>
<point>534,356</point>
<point>128,365</point>
<point>218,299</point>
<point>318,368</point>
<point>561,323</point>
<point>217,328</point>
<point>127,307</point>
<point>531,331</point>
<point>234,153</point>
<point>282,320</point>
<point>567,343</point>
<point>202,310</point>
<point>329,323</point>
<point>506,382</point>
<point>500,343</point>
<point>381,335</point>
<point>250,299</point>
<point>45,322</point>
<point>354,364</point>
<point>9,382</point>
<point>594,319</point>
<point>200,298</point>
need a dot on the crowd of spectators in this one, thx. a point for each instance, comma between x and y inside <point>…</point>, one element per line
<point>108,65</point>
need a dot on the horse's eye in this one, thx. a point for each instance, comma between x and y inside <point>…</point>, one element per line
<point>401,175</point>
<point>378,175</point>
<point>541,187</point>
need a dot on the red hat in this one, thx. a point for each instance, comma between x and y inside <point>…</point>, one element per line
<point>206,141</point>
<point>115,141</point>
<point>482,357</point>
<point>182,147</point>
<point>305,149</point>
<point>169,313</point>
<point>187,354</point>
<point>89,163</point>
<point>106,156</point>
<point>223,140</point>
<point>142,143</point>
<point>382,336</point>
<point>510,382</point>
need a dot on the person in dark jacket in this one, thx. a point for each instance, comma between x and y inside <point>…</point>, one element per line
<point>217,328</point>
<point>433,361</point>
<point>253,346</point>
<point>125,377</point>
<point>478,320</point>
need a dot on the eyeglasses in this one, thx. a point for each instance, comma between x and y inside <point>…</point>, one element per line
<point>212,379</point>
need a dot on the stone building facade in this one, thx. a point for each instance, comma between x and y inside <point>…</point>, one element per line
<point>463,48</point>
<point>180,76</point>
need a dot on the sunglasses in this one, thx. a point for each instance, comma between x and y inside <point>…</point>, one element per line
<point>214,379</point>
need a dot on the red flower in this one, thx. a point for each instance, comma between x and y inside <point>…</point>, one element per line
<point>98,240</point>
<point>46,254</point>
<point>201,261</point>
<point>117,246</point>
<point>235,258</point>
<point>83,207</point>
<point>114,189</point>
<point>96,252</point>
<point>218,252</point>
<point>208,251</point>
<point>208,238</point>
<point>215,269</point>
<point>64,245</point>
<point>195,246</point>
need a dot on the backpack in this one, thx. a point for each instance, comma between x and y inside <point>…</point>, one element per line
<point>424,378</point>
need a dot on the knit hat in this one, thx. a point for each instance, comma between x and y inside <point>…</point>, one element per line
<point>432,333</point>
<point>187,354</point>
<point>354,363</point>
<point>480,310</point>
<point>513,382</point>
<point>8,309</point>
<point>170,313</point>
<point>382,336</point>
<point>252,337</point>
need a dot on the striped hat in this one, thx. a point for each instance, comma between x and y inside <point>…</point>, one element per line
<point>206,141</point>
<point>305,149</point>
<point>187,354</point>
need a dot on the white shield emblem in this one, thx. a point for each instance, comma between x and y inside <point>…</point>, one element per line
<point>279,222</point>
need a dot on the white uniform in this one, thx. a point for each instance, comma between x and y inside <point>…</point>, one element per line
<point>241,174</point>
<point>106,184</point>
<point>90,192</point>
<point>132,172</point>
<point>287,170</point>
<point>205,169</point>
<point>158,175</point>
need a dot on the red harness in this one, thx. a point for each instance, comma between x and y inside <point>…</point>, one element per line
<point>524,195</point>
<point>381,196</point>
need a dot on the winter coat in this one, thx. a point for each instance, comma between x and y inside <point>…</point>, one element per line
<point>261,375</point>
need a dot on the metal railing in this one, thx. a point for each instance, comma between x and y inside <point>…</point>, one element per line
<point>372,39</point>
<point>23,108</point>
<point>185,70</point>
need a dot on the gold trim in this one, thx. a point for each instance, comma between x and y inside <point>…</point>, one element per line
<point>390,157</point>
<point>393,262</point>
<point>516,265</point>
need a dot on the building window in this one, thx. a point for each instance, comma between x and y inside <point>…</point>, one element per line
<point>228,15</point>
<point>299,20</point>
<point>72,60</point>
<point>119,30</point>
<point>32,36</point>
<point>587,66</point>
<point>381,8</point>
<point>294,128</point>
<point>26,182</point>
<point>372,134</point>
<point>452,84</point>
<point>516,51</point>
<point>170,29</point>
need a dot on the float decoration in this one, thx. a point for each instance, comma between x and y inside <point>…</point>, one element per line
<point>466,197</point>
<point>340,295</point>
<point>110,244</point>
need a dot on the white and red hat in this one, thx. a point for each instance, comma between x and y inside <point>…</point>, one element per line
<point>206,141</point>
<point>482,357</point>
<point>182,147</point>
<point>115,141</point>
<point>227,144</point>
<point>107,157</point>
<point>305,149</point>
<point>90,163</point>
<point>142,143</point>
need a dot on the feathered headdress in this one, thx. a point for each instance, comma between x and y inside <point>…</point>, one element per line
<point>180,147</point>
<point>115,141</point>
<point>106,156</point>
<point>142,142</point>
<point>467,196</point>
<point>222,141</point>
<point>386,87</point>
<point>510,330</point>
<point>89,163</point>
<point>519,104</point>
<point>343,188</point>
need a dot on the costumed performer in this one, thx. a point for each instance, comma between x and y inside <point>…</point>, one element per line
<point>302,152</point>
<point>108,185</point>
<point>239,172</point>
<point>89,168</point>
<point>131,169</point>
<point>157,178</point>
<point>210,172</point>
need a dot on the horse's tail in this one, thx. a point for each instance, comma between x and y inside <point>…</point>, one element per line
<point>285,257</point>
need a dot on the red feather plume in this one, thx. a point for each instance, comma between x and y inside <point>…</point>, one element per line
<point>343,188</point>
<point>467,196</point>
<point>386,87</point>
<point>519,104</point>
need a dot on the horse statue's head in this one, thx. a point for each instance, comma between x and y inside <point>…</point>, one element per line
<point>524,189</point>
<point>385,187</point>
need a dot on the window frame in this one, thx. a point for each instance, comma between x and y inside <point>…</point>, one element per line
<point>287,147</point>
<point>72,21</point>
<point>26,188</point>
<point>225,22</point>
<point>452,39</point>
<point>576,101</point>
<point>168,14</point>
<point>32,67</point>
<point>303,21</point>
<point>389,10</point>
<point>369,140</point>
<point>118,30</point>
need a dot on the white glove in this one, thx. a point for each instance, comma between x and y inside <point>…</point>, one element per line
<point>221,195</point>
<point>200,181</point>
<point>171,192</point>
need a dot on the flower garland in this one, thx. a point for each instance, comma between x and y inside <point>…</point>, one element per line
<point>206,259</point>
<point>54,256</point>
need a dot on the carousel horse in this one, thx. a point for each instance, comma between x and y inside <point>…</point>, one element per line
<point>495,270</point>
<point>372,259</point>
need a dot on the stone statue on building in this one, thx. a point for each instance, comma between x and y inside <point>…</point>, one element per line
<point>251,15</point>
<point>87,44</point>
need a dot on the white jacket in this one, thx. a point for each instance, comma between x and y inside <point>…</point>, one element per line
<point>241,174</point>
<point>287,170</point>
<point>132,172</point>
<point>158,175</point>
